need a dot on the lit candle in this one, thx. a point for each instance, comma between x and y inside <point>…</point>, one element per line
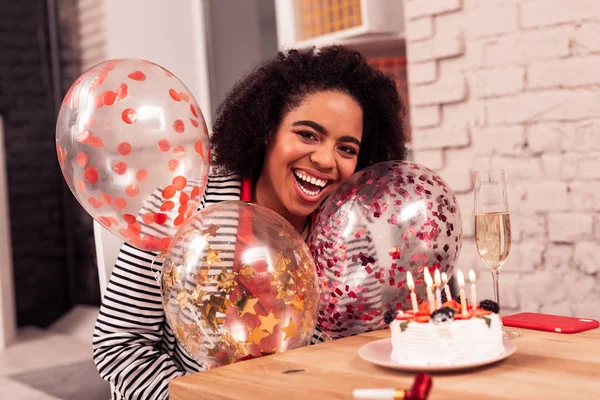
<point>461,284</point>
<point>429,283</point>
<point>446,287</point>
<point>438,288</point>
<point>472,278</point>
<point>413,296</point>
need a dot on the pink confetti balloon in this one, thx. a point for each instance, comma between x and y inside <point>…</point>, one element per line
<point>134,149</point>
<point>387,219</point>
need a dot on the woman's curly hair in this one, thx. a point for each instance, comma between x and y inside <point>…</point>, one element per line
<point>254,108</point>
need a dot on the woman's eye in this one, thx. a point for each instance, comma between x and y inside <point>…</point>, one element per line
<point>348,150</point>
<point>306,135</point>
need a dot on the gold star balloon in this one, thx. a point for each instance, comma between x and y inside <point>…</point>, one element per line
<point>248,284</point>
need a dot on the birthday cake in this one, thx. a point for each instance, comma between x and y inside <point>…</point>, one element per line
<point>450,335</point>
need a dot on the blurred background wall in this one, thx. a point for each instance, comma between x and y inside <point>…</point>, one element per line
<point>52,244</point>
<point>514,84</point>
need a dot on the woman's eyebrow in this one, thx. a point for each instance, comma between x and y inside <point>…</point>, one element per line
<point>350,139</point>
<point>317,127</point>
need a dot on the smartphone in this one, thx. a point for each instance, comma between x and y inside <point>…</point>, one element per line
<point>550,323</point>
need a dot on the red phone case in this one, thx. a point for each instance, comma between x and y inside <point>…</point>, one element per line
<point>550,323</point>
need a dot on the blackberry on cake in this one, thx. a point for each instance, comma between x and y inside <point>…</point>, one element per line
<point>389,316</point>
<point>441,315</point>
<point>489,305</point>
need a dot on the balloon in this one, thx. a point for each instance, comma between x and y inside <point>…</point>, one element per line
<point>134,149</point>
<point>239,282</point>
<point>385,220</point>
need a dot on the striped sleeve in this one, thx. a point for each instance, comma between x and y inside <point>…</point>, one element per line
<point>129,330</point>
<point>134,348</point>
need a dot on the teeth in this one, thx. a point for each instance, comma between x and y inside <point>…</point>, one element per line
<point>310,179</point>
<point>308,192</point>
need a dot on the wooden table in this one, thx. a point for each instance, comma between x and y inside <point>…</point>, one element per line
<point>545,366</point>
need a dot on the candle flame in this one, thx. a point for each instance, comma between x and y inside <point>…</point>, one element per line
<point>472,276</point>
<point>444,278</point>
<point>427,276</point>
<point>409,281</point>
<point>460,278</point>
<point>437,278</point>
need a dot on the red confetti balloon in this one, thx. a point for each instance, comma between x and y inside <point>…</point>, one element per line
<point>386,220</point>
<point>127,130</point>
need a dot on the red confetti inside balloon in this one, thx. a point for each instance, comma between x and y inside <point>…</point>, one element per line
<point>164,145</point>
<point>129,116</point>
<point>174,95</point>
<point>82,159</point>
<point>124,148</point>
<point>137,76</point>
<point>178,126</point>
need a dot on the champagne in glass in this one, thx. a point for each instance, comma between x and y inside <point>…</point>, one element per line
<point>492,232</point>
<point>492,226</point>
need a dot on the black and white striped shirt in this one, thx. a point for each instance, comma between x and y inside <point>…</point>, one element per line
<point>134,347</point>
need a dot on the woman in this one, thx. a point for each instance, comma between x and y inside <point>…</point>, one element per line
<point>287,134</point>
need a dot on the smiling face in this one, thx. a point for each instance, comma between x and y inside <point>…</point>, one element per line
<point>314,148</point>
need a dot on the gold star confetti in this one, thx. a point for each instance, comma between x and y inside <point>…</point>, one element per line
<point>285,233</point>
<point>219,303</point>
<point>182,298</point>
<point>256,336</point>
<point>213,351</point>
<point>186,332</point>
<point>296,303</point>
<point>208,314</point>
<point>181,332</point>
<point>212,256</point>
<point>202,276</point>
<point>283,293</point>
<point>247,271</point>
<point>197,295</point>
<point>268,323</point>
<point>248,307</point>
<point>282,262</point>
<point>211,230</point>
<point>175,274</point>
<point>233,346</point>
<point>225,280</point>
<point>167,280</point>
<point>290,330</point>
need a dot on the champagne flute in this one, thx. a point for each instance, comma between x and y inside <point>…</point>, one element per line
<point>492,226</point>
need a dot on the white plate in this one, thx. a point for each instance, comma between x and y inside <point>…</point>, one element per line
<point>378,352</point>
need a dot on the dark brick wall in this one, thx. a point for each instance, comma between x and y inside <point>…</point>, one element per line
<point>84,284</point>
<point>46,283</point>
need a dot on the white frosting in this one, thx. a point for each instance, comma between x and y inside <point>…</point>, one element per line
<point>450,343</point>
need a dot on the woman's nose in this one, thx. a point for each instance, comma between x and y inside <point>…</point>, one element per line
<point>324,157</point>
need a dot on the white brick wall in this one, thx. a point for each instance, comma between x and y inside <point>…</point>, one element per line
<point>514,84</point>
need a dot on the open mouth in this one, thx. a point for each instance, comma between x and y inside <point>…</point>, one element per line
<point>309,185</point>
